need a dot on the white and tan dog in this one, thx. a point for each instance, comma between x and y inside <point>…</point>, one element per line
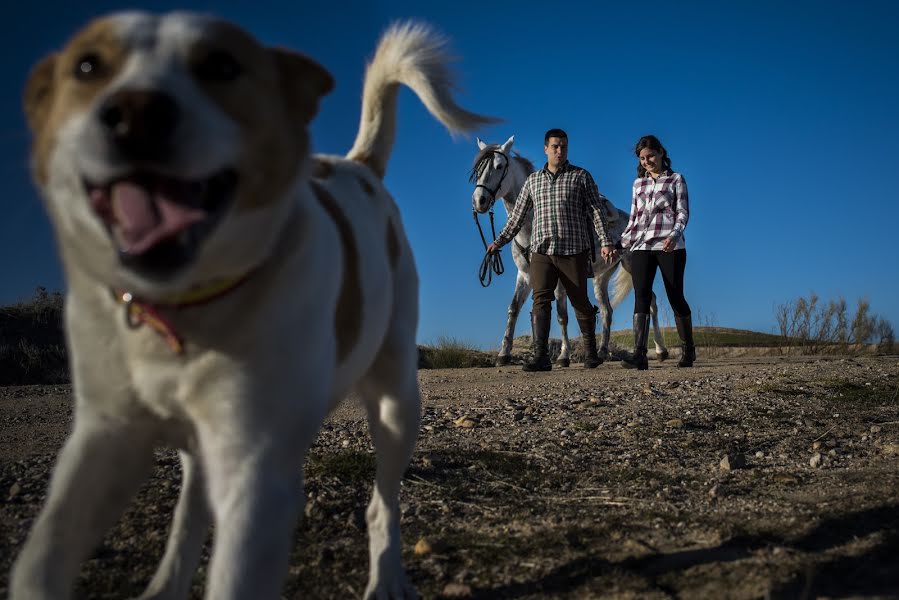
<point>226,290</point>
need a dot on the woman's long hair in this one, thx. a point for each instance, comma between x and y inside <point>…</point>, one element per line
<point>653,143</point>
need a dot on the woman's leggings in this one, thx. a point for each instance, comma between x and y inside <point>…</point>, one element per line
<point>643,272</point>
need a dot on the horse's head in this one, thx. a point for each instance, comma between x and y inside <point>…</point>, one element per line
<point>488,173</point>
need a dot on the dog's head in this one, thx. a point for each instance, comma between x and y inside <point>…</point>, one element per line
<point>166,147</point>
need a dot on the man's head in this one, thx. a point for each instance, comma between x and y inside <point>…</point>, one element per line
<point>555,146</point>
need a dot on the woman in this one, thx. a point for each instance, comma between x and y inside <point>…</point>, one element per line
<point>655,235</point>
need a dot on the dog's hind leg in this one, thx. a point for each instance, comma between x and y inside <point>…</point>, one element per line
<point>391,397</point>
<point>189,528</point>
<point>99,469</point>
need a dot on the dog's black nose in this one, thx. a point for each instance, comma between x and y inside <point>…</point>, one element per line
<point>141,123</point>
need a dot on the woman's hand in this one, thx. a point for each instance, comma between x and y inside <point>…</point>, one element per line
<point>669,244</point>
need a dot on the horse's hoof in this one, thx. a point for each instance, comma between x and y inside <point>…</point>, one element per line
<point>502,361</point>
<point>563,362</point>
<point>662,355</point>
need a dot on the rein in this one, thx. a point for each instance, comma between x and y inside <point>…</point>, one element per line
<point>492,262</point>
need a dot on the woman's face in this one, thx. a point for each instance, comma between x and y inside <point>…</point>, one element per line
<point>651,160</point>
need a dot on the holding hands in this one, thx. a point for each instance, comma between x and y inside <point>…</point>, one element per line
<point>608,253</point>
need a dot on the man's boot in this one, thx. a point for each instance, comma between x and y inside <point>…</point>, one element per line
<point>641,333</point>
<point>540,328</point>
<point>588,335</point>
<point>685,331</point>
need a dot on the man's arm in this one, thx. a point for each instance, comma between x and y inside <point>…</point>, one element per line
<point>516,219</point>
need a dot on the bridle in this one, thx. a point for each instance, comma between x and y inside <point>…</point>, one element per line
<point>493,262</point>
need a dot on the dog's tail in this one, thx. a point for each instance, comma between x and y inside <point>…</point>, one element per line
<point>621,286</point>
<point>410,54</point>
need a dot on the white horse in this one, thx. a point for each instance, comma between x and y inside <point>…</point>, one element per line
<point>496,173</point>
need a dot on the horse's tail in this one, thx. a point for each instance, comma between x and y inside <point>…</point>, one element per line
<point>621,286</point>
<point>413,55</point>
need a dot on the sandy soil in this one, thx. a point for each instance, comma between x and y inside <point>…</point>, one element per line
<point>744,477</point>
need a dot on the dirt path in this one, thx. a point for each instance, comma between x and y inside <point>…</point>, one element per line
<point>569,484</point>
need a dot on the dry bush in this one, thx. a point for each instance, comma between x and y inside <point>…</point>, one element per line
<point>814,327</point>
<point>32,342</point>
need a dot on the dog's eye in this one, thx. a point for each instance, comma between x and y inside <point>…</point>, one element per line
<point>88,67</point>
<point>218,66</point>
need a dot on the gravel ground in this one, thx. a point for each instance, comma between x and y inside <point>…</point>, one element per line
<point>741,478</point>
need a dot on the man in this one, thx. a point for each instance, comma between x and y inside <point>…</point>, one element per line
<point>563,197</point>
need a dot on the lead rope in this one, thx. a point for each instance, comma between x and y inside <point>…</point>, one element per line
<point>493,262</point>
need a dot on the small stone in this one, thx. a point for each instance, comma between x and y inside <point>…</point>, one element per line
<point>423,547</point>
<point>675,424</point>
<point>831,443</point>
<point>456,590</point>
<point>14,490</point>
<point>345,444</point>
<point>760,454</point>
<point>815,461</point>
<point>832,452</point>
<point>466,422</point>
<point>875,428</point>
<point>715,491</point>
<point>733,461</point>
<point>566,433</point>
<point>816,445</point>
<point>890,449</point>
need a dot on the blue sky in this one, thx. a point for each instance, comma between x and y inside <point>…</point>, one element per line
<point>781,115</point>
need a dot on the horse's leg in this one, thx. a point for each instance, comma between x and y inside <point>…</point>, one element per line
<point>522,288</point>
<point>602,273</point>
<point>564,359</point>
<point>661,350</point>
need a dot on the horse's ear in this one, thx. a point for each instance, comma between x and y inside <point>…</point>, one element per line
<point>481,145</point>
<point>508,145</point>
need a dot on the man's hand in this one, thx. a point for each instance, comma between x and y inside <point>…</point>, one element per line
<point>609,254</point>
<point>492,248</point>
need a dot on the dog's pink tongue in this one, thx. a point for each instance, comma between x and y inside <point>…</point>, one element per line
<point>145,218</point>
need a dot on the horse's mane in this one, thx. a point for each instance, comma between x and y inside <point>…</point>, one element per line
<point>528,165</point>
<point>482,158</point>
<point>480,161</point>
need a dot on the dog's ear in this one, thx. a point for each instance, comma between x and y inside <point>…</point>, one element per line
<point>303,80</point>
<point>39,93</point>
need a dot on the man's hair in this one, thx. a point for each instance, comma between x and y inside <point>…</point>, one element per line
<point>559,133</point>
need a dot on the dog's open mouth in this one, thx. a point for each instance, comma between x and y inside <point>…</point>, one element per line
<point>157,221</point>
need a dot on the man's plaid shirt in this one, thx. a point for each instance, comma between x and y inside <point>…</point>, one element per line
<point>660,208</point>
<point>562,203</point>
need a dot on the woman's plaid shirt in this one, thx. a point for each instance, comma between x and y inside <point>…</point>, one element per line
<point>660,208</point>
<point>562,203</point>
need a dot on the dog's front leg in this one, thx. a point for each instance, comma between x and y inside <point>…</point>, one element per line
<point>99,469</point>
<point>190,526</point>
<point>256,491</point>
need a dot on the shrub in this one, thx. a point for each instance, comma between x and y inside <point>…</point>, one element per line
<point>451,353</point>
<point>32,342</point>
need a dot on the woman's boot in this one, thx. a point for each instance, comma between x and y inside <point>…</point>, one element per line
<point>685,331</point>
<point>641,333</point>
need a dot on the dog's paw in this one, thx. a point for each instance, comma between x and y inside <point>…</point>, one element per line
<point>399,589</point>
